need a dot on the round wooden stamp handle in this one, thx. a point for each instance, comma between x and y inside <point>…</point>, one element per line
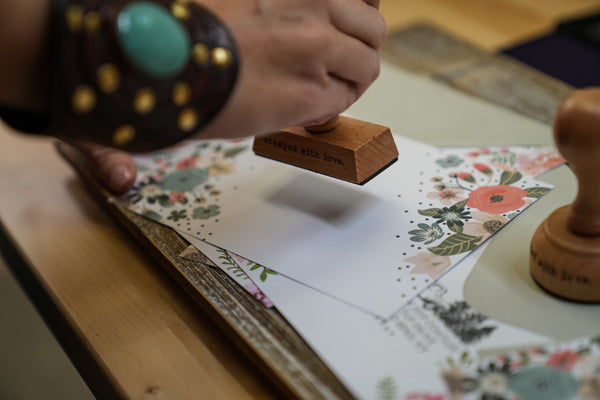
<point>330,125</point>
<point>577,137</point>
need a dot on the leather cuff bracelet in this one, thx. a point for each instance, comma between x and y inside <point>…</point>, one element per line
<point>138,75</point>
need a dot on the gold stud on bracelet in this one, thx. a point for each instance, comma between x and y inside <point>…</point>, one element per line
<point>108,77</point>
<point>83,100</point>
<point>181,93</point>
<point>221,57</point>
<point>92,23</point>
<point>74,17</point>
<point>123,135</point>
<point>187,120</point>
<point>180,11</point>
<point>200,53</point>
<point>144,101</point>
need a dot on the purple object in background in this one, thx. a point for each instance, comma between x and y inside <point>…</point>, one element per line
<point>571,53</point>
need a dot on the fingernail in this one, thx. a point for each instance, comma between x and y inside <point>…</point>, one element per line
<point>120,178</point>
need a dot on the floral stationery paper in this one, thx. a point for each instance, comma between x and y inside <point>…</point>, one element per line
<point>567,371</point>
<point>403,352</point>
<point>229,264</point>
<point>375,246</point>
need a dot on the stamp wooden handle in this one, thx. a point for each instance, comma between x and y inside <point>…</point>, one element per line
<point>577,137</point>
<point>330,125</point>
<point>565,249</point>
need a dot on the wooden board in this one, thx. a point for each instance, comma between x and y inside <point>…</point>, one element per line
<point>264,334</point>
<point>495,77</point>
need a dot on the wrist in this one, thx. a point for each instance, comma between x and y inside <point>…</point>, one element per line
<point>137,75</point>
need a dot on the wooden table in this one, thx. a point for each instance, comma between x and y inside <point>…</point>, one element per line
<point>128,328</point>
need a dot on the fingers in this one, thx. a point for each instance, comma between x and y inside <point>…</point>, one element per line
<point>373,3</point>
<point>359,19</point>
<point>353,61</point>
<point>114,167</point>
<point>362,30</point>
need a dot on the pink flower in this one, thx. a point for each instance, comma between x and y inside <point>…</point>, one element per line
<point>465,176</point>
<point>535,350</point>
<point>447,196</point>
<point>186,163</point>
<point>429,264</point>
<point>562,360</point>
<point>538,163</point>
<point>484,224</point>
<point>483,168</point>
<point>515,365</point>
<point>258,294</point>
<point>497,199</point>
<point>176,197</point>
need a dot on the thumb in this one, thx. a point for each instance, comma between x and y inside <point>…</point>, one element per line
<point>114,167</point>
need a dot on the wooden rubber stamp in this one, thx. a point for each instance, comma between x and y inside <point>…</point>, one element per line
<point>343,147</point>
<point>565,249</point>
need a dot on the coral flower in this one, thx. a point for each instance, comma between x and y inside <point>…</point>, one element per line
<point>497,199</point>
<point>465,176</point>
<point>447,196</point>
<point>483,168</point>
<point>176,197</point>
<point>539,162</point>
<point>188,162</point>
<point>562,360</point>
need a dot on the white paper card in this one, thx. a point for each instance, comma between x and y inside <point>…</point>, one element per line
<point>375,246</point>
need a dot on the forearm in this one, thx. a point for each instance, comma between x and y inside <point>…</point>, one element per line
<point>24,44</point>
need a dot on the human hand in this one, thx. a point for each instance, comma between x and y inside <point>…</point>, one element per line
<point>115,168</point>
<point>302,61</point>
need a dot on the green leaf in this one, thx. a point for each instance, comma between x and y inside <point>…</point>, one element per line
<point>163,200</point>
<point>387,389</point>
<point>234,151</point>
<point>255,266</point>
<point>455,226</point>
<point>263,275</point>
<point>460,205</point>
<point>506,159</point>
<point>510,177</point>
<point>464,356</point>
<point>537,192</point>
<point>431,212</point>
<point>455,244</point>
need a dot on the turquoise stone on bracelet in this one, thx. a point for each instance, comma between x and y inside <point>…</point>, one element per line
<point>153,39</point>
